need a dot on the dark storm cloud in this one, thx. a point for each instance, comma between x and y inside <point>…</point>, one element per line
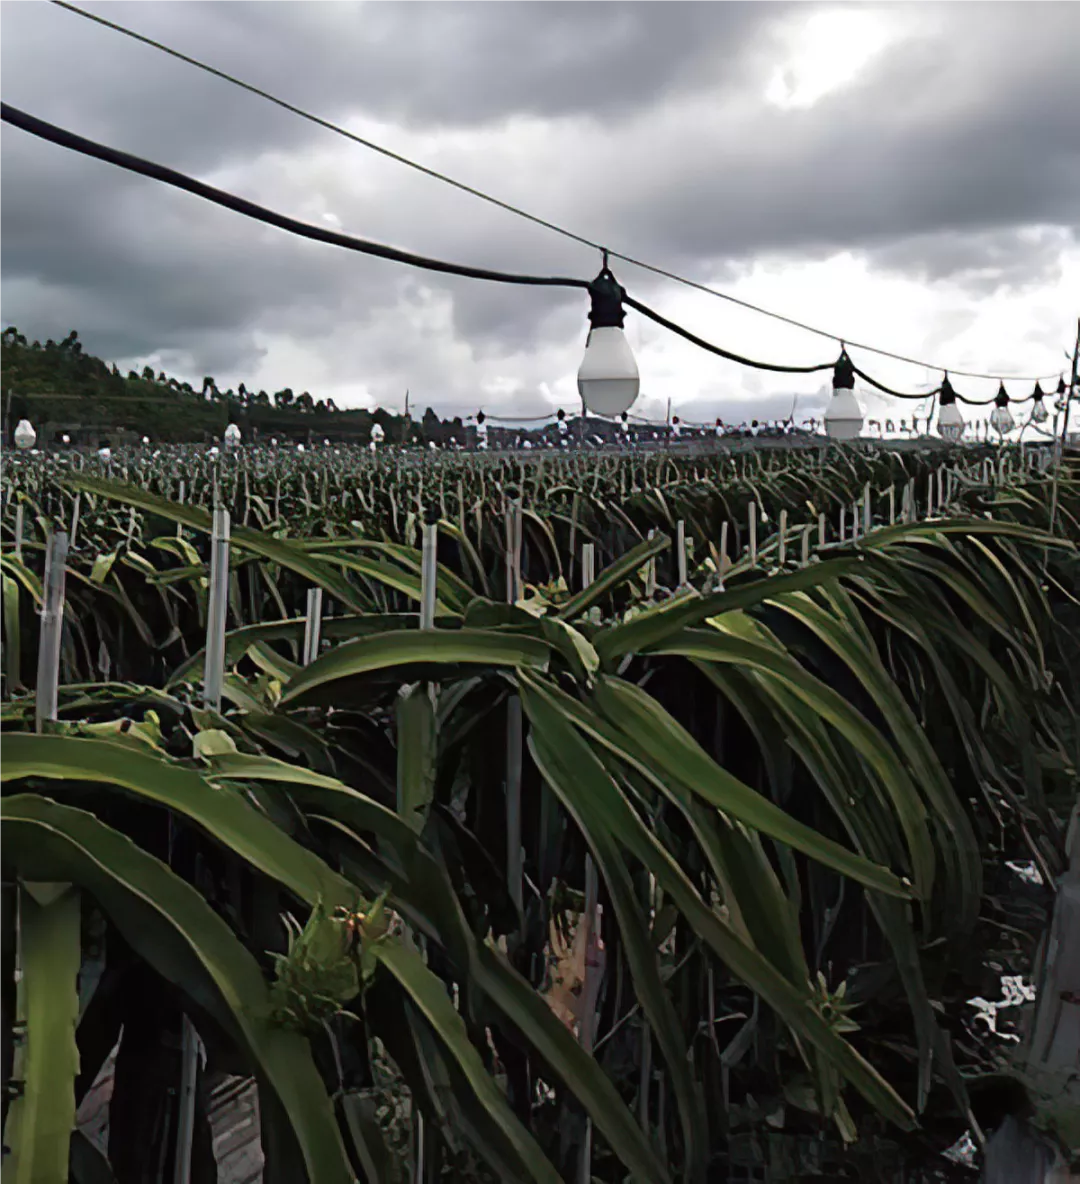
<point>138,268</point>
<point>933,162</point>
<point>973,131</point>
<point>441,64</point>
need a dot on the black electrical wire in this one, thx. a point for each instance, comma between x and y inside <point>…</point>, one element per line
<point>370,144</point>
<point>240,205</point>
<point>715,349</point>
<point>888,390</point>
<point>168,176</point>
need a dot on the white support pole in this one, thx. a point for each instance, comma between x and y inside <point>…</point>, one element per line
<point>217,609</point>
<point>892,504</point>
<point>821,529</point>
<point>680,551</point>
<point>191,1049</point>
<point>19,514</point>
<point>650,573</point>
<point>312,626</point>
<point>723,551</point>
<point>428,574</point>
<point>514,536</point>
<point>591,986</point>
<point>429,560</point>
<point>588,564</point>
<point>515,854</point>
<point>804,558</point>
<point>180,499</point>
<point>843,523</point>
<point>46,697</point>
<point>75,511</point>
<point>589,994</point>
<point>782,549</point>
<point>753,532</point>
<point>867,517</point>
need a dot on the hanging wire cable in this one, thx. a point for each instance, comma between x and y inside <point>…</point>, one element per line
<point>249,209</point>
<point>516,210</point>
<point>715,349</point>
<point>240,205</point>
<point>168,176</point>
<point>888,390</point>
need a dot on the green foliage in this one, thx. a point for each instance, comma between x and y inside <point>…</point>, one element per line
<point>319,973</point>
<point>800,784</point>
<point>47,1060</point>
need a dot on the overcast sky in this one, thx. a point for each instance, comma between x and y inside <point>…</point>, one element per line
<point>905,175</point>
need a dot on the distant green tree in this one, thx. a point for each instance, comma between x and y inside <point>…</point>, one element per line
<point>106,397</point>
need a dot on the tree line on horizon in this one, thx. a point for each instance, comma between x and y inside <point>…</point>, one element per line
<point>62,389</point>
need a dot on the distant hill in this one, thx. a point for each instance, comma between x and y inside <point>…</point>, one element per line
<point>63,390</point>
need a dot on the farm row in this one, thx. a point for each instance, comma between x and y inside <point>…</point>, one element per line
<point>663,824</point>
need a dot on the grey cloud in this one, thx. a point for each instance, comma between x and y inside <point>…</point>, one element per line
<point>983,263</point>
<point>428,64</point>
<point>138,268</point>
<point>934,163</point>
<point>964,130</point>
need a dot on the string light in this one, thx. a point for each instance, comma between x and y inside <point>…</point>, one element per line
<point>487,197</point>
<point>950,421</point>
<point>844,415</point>
<point>1001,418</point>
<point>1039,414</point>
<point>25,435</point>
<point>608,378</point>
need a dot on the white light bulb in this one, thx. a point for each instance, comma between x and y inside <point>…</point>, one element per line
<point>950,423</point>
<point>146,439</point>
<point>25,435</point>
<point>608,379</point>
<point>1039,414</point>
<point>844,415</point>
<point>232,436</point>
<point>1001,420</point>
